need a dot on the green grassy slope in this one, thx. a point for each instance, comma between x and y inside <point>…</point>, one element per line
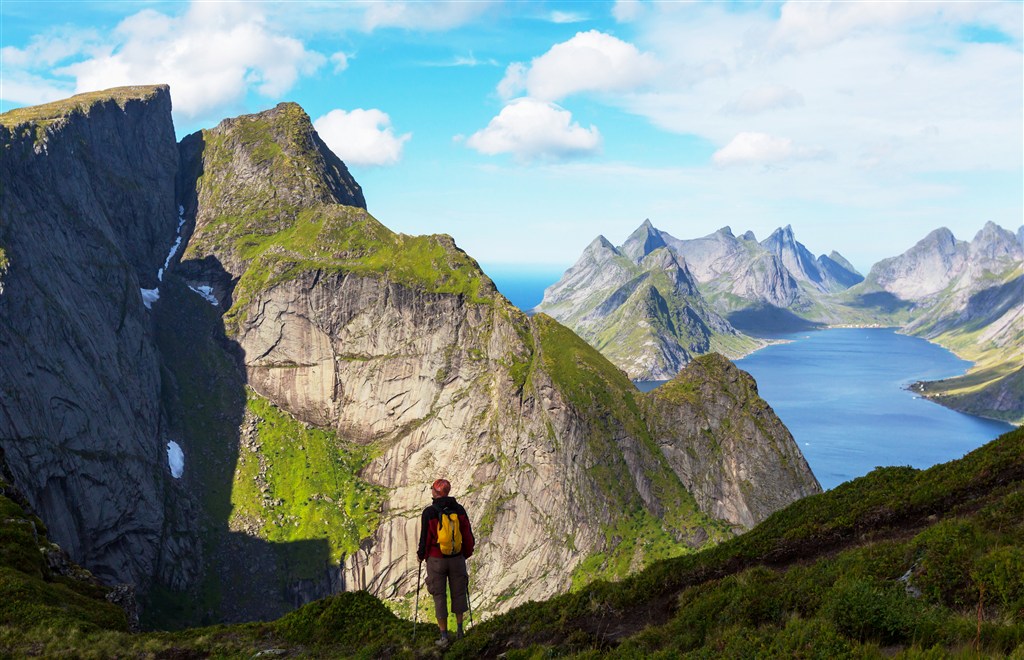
<point>604,395</point>
<point>899,563</point>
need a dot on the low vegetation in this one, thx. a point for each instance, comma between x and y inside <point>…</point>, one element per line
<point>37,118</point>
<point>901,562</point>
<point>276,486</point>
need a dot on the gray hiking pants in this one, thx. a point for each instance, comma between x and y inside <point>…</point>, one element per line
<point>453,571</point>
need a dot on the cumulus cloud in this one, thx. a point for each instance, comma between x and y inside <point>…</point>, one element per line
<point>764,98</point>
<point>361,137</point>
<point>212,55</point>
<point>532,129</point>
<point>761,149</point>
<point>589,62</point>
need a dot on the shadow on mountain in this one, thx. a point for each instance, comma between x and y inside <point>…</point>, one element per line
<point>203,387</point>
<point>988,305</point>
<point>766,320</point>
<point>203,390</point>
<point>882,301</point>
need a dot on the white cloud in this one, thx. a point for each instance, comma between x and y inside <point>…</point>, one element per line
<point>764,98</point>
<point>340,61</point>
<point>469,60</point>
<point>361,137</point>
<point>563,17</point>
<point>589,62</point>
<point>211,56</point>
<point>532,129</point>
<point>436,15</point>
<point>864,94</point>
<point>25,88</point>
<point>626,11</point>
<point>761,149</point>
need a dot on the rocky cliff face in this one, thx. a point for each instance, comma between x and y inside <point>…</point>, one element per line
<point>825,274</point>
<point>87,218</point>
<point>735,289</point>
<point>318,372</point>
<point>402,344</point>
<point>640,306</point>
<point>763,288</point>
<point>735,441</point>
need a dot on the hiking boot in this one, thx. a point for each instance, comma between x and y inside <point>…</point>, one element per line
<point>444,641</point>
<point>459,634</point>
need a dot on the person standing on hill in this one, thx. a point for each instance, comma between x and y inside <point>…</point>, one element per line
<point>446,542</point>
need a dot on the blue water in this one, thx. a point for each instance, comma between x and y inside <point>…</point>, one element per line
<point>522,286</point>
<point>841,393</point>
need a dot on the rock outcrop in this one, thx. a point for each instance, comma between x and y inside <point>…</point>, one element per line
<point>87,218</point>
<point>739,457</point>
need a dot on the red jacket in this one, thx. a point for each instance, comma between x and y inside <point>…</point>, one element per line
<point>429,520</point>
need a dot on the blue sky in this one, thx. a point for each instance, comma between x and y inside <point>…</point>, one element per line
<point>525,129</point>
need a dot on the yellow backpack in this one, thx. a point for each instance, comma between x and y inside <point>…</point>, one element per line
<point>449,534</point>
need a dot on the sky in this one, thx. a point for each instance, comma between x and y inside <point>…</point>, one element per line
<point>526,129</point>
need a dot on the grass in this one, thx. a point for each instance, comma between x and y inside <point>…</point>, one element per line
<point>40,117</point>
<point>273,228</point>
<point>303,483</point>
<point>603,394</point>
<point>899,563</point>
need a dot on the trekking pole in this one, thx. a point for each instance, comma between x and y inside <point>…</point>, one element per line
<point>416,611</point>
<point>469,601</point>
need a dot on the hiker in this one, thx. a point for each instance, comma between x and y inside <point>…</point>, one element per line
<point>446,542</point>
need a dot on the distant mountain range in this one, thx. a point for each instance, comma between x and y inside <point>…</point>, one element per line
<point>640,305</point>
<point>964,295</point>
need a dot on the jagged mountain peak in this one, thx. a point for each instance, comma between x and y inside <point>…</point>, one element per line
<point>281,158</point>
<point>749,236</point>
<point>842,261</point>
<point>644,240</point>
<point>599,245</point>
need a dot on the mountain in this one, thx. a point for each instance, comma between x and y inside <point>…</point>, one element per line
<point>80,418</point>
<point>823,273</point>
<point>720,289</point>
<point>966,296</point>
<point>768,287</point>
<point>227,384</point>
<point>900,562</point>
<point>640,306</point>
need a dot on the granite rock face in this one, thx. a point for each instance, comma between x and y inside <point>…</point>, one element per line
<point>87,218</point>
<point>430,365</point>
<point>397,343</point>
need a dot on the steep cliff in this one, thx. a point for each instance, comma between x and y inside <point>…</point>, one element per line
<point>229,384</point>
<point>401,344</point>
<point>87,218</point>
